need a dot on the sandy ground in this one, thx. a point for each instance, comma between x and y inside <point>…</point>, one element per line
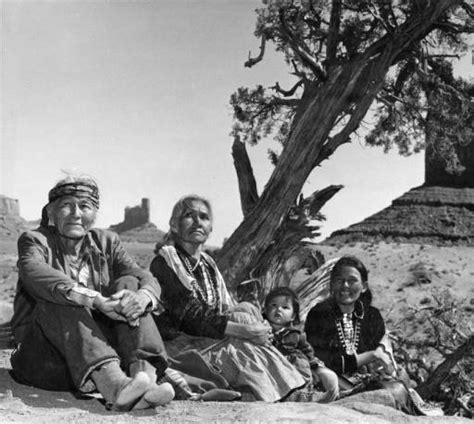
<point>395,271</point>
<point>22,404</point>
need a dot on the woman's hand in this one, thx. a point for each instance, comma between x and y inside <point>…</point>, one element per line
<point>109,307</point>
<point>330,383</point>
<point>378,358</point>
<point>383,360</point>
<point>259,333</point>
<point>132,304</point>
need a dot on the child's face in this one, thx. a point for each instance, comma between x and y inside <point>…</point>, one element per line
<point>280,311</point>
<point>347,286</point>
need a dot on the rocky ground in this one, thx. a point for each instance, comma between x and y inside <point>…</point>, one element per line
<point>402,278</point>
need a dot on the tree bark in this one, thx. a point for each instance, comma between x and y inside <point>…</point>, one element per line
<point>245,177</point>
<point>274,268</point>
<point>353,85</point>
<point>434,381</point>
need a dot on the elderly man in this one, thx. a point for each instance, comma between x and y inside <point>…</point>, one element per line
<point>81,312</point>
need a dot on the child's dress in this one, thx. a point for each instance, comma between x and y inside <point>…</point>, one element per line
<point>291,342</point>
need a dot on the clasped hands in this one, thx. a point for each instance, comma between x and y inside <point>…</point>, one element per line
<point>260,333</point>
<point>125,305</point>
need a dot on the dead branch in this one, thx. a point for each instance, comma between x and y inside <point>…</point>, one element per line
<point>441,373</point>
<point>253,61</point>
<point>318,199</point>
<point>456,56</point>
<point>333,34</point>
<point>284,102</point>
<point>245,177</point>
<point>289,92</point>
<point>288,240</point>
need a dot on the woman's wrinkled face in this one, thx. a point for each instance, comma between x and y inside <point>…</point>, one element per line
<point>195,223</point>
<point>347,285</point>
<point>73,216</point>
<point>280,311</point>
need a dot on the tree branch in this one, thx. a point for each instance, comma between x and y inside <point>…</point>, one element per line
<point>318,199</point>
<point>378,18</point>
<point>468,8</point>
<point>333,33</point>
<point>411,29</point>
<point>245,177</point>
<point>301,50</point>
<point>431,385</point>
<point>297,72</point>
<point>285,102</point>
<point>253,61</point>
<point>452,26</point>
<point>289,92</point>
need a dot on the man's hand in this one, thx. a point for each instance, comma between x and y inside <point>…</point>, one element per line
<point>109,307</point>
<point>132,304</point>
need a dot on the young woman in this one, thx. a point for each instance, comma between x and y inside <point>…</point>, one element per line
<point>345,331</point>
<point>348,334</point>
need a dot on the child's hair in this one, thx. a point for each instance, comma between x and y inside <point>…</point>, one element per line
<point>353,262</point>
<point>287,292</point>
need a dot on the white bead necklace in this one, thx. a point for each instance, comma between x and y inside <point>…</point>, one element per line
<point>348,333</point>
<point>208,294</point>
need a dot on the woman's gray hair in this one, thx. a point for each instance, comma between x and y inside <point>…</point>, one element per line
<point>184,204</point>
<point>179,208</point>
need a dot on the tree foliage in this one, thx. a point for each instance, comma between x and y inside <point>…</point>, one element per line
<point>316,37</point>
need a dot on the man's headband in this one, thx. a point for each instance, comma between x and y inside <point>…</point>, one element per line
<point>78,189</point>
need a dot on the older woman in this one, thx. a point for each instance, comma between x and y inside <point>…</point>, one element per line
<point>81,312</point>
<point>197,306</point>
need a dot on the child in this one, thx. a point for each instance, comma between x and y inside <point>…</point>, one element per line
<point>282,312</point>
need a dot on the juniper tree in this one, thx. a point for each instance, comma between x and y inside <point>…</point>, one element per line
<point>345,57</point>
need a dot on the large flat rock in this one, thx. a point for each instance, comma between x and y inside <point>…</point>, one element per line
<point>23,404</point>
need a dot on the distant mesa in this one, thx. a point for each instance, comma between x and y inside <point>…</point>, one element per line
<point>11,223</point>
<point>9,207</point>
<point>439,212</point>
<point>136,226</point>
<point>432,215</point>
<point>135,216</point>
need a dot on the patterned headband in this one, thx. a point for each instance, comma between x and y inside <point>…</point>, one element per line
<point>79,189</point>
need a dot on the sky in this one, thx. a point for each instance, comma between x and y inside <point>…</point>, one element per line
<point>136,94</point>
